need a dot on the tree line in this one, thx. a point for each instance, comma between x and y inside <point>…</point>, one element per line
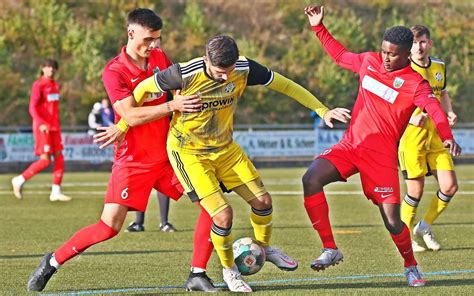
<point>84,35</point>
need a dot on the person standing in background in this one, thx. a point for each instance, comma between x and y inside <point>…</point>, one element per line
<point>106,113</point>
<point>44,110</point>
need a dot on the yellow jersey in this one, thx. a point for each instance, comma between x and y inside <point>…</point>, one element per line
<point>420,138</point>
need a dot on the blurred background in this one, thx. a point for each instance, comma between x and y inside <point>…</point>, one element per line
<point>83,35</point>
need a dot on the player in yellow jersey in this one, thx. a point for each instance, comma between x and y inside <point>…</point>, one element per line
<point>201,148</point>
<point>421,151</point>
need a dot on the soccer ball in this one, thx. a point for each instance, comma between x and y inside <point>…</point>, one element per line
<point>249,256</point>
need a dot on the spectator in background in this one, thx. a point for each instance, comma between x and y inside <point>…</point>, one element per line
<point>44,109</point>
<point>95,119</point>
<point>106,113</point>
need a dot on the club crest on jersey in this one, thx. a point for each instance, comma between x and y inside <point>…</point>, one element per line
<point>398,82</point>
<point>229,88</point>
<point>438,76</point>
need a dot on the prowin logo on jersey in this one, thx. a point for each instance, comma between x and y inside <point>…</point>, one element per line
<point>217,104</point>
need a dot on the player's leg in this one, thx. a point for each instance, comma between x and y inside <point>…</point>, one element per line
<point>238,173</point>
<point>414,167</point>
<point>197,175</point>
<point>112,218</point>
<point>169,187</point>
<point>164,204</point>
<point>442,166</point>
<point>138,224</point>
<point>43,149</point>
<point>58,172</point>
<point>331,166</point>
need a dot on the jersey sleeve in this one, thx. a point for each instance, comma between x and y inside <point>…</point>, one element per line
<point>426,100</point>
<point>116,87</point>
<point>258,74</point>
<point>169,79</point>
<point>35,101</point>
<point>340,55</point>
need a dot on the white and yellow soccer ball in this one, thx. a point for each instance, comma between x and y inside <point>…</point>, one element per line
<point>249,256</point>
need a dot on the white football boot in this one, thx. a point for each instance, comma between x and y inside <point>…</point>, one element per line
<point>327,258</point>
<point>280,259</point>
<point>416,247</point>
<point>234,281</point>
<point>17,184</point>
<point>414,276</point>
<point>423,230</point>
<point>59,197</point>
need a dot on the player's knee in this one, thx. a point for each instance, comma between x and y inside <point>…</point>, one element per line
<point>223,219</point>
<point>394,225</point>
<point>450,190</point>
<point>311,183</point>
<point>262,202</point>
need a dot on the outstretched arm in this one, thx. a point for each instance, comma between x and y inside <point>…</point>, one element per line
<point>336,51</point>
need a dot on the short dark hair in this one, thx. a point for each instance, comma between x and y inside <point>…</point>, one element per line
<point>146,18</point>
<point>222,51</point>
<point>420,30</point>
<point>50,63</point>
<point>399,35</point>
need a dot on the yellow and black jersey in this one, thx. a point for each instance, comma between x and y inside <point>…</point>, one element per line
<point>210,129</point>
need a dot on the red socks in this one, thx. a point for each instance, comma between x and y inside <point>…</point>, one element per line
<point>318,212</point>
<point>403,243</point>
<point>202,240</point>
<point>35,168</point>
<point>58,169</point>
<point>83,239</point>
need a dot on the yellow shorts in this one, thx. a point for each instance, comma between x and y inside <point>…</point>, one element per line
<point>415,164</point>
<point>201,175</point>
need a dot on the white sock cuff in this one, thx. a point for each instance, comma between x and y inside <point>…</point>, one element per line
<point>54,263</point>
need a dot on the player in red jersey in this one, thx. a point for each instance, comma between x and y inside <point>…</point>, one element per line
<point>389,92</point>
<point>44,109</point>
<point>140,160</point>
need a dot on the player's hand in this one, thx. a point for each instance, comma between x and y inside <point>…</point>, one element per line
<point>454,148</point>
<point>186,104</point>
<point>109,135</point>
<point>452,118</point>
<point>315,14</point>
<point>43,128</point>
<point>418,120</point>
<point>340,114</point>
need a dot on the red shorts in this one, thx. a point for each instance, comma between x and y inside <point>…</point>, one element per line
<point>131,186</point>
<point>378,173</point>
<point>47,143</point>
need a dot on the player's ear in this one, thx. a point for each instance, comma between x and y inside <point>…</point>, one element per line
<point>130,33</point>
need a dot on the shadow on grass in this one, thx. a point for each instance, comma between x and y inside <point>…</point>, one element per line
<point>99,253</point>
<point>362,285</point>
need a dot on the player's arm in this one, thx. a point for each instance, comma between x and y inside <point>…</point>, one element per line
<point>170,79</point>
<point>336,51</point>
<point>445,101</point>
<point>426,100</point>
<point>35,100</point>
<point>260,75</point>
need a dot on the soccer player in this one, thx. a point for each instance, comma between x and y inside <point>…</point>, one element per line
<point>44,109</point>
<point>421,151</point>
<point>140,160</point>
<point>389,92</point>
<point>202,151</point>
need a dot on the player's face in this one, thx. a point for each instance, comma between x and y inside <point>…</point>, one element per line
<point>48,72</point>
<point>394,57</point>
<point>421,48</point>
<point>142,40</point>
<point>217,73</point>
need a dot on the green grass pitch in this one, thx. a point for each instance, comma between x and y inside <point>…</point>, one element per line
<point>156,263</point>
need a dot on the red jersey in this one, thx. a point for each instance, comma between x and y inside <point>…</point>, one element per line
<point>44,104</point>
<point>385,101</point>
<point>144,144</point>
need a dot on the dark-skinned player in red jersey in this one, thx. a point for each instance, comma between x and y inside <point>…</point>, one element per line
<point>140,159</point>
<point>389,92</point>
